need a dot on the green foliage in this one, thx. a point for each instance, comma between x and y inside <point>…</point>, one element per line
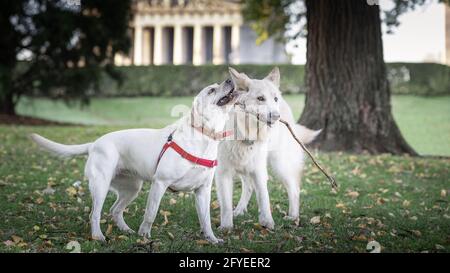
<point>287,18</point>
<point>66,45</point>
<point>182,80</point>
<point>419,78</point>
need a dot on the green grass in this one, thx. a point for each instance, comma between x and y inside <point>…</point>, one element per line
<point>399,205</point>
<point>424,121</point>
<point>401,202</point>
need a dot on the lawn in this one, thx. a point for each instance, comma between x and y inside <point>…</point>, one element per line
<point>400,202</point>
<point>424,121</point>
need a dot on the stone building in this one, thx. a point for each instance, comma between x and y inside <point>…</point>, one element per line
<point>195,32</point>
<point>447,35</point>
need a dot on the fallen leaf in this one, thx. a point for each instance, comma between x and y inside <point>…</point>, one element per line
<point>109,230</point>
<point>8,243</point>
<point>172,201</point>
<point>440,247</point>
<point>215,204</point>
<point>71,191</point>
<point>49,190</point>
<point>245,250</point>
<point>202,242</point>
<point>406,203</point>
<point>315,220</point>
<point>171,235</point>
<point>353,194</point>
<point>16,239</point>
<point>443,193</point>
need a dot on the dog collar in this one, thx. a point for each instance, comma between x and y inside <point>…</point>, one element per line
<point>196,160</point>
<point>212,135</point>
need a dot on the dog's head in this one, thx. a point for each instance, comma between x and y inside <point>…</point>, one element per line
<point>259,97</point>
<point>212,105</point>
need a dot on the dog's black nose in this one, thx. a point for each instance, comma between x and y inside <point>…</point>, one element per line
<point>274,116</point>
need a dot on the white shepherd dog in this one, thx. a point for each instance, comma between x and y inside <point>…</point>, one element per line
<point>259,140</point>
<point>120,161</point>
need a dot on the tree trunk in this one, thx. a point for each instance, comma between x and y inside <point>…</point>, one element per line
<point>7,103</point>
<point>347,89</point>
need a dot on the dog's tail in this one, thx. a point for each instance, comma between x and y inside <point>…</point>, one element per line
<point>60,149</point>
<point>305,134</point>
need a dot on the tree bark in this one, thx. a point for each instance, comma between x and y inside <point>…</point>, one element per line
<point>348,93</point>
<point>7,102</point>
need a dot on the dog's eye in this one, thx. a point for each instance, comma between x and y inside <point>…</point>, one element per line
<point>212,90</point>
<point>261,98</point>
<point>276,99</point>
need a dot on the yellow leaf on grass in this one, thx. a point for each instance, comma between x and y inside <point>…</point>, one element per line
<point>406,203</point>
<point>172,201</point>
<point>353,194</point>
<point>71,191</point>
<point>315,220</point>
<point>109,229</point>
<point>202,242</point>
<point>215,204</point>
<point>443,193</point>
<point>245,250</point>
<point>16,239</point>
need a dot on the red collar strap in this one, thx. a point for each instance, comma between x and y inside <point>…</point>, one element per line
<point>196,160</point>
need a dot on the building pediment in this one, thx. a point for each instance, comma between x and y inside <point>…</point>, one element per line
<point>186,6</point>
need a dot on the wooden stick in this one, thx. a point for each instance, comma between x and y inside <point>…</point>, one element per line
<point>330,178</point>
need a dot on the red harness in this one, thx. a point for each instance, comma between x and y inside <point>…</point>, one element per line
<point>196,160</point>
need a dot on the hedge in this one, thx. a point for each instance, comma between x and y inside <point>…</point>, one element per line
<point>182,80</point>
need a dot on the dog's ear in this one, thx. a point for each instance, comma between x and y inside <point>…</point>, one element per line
<point>240,80</point>
<point>274,76</point>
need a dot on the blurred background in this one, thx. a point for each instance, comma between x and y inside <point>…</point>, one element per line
<point>127,63</point>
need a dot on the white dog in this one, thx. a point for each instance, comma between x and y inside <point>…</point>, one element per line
<point>120,161</point>
<point>260,139</point>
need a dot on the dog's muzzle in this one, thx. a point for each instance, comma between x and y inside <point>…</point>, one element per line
<point>229,97</point>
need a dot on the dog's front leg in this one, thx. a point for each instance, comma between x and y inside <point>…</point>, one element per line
<point>260,177</point>
<point>154,199</point>
<point>224,186</point>
<point>203,203</point>
<point>247,191</point>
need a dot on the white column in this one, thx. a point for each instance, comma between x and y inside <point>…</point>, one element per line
<point>137,45</point>
<point>146,47</point>
<point>235,41</point>
<point>217,45</point>
<point>158,46</point>
<point>197,57</point>
<point>178,44</point>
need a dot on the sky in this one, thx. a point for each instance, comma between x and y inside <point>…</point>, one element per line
<point>420,37</point>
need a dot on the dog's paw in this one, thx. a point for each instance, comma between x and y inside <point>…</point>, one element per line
<point>267,223</point>
<point>239,211</point>
<point>129,231</point>
<point>225,228</point>
<point>290,218</point>
<point>99,237</point>
<point>144,231</point>
<point>214,240</point>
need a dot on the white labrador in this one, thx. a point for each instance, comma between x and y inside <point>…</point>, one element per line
<point>120,161</point>
<point>259,140</point>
